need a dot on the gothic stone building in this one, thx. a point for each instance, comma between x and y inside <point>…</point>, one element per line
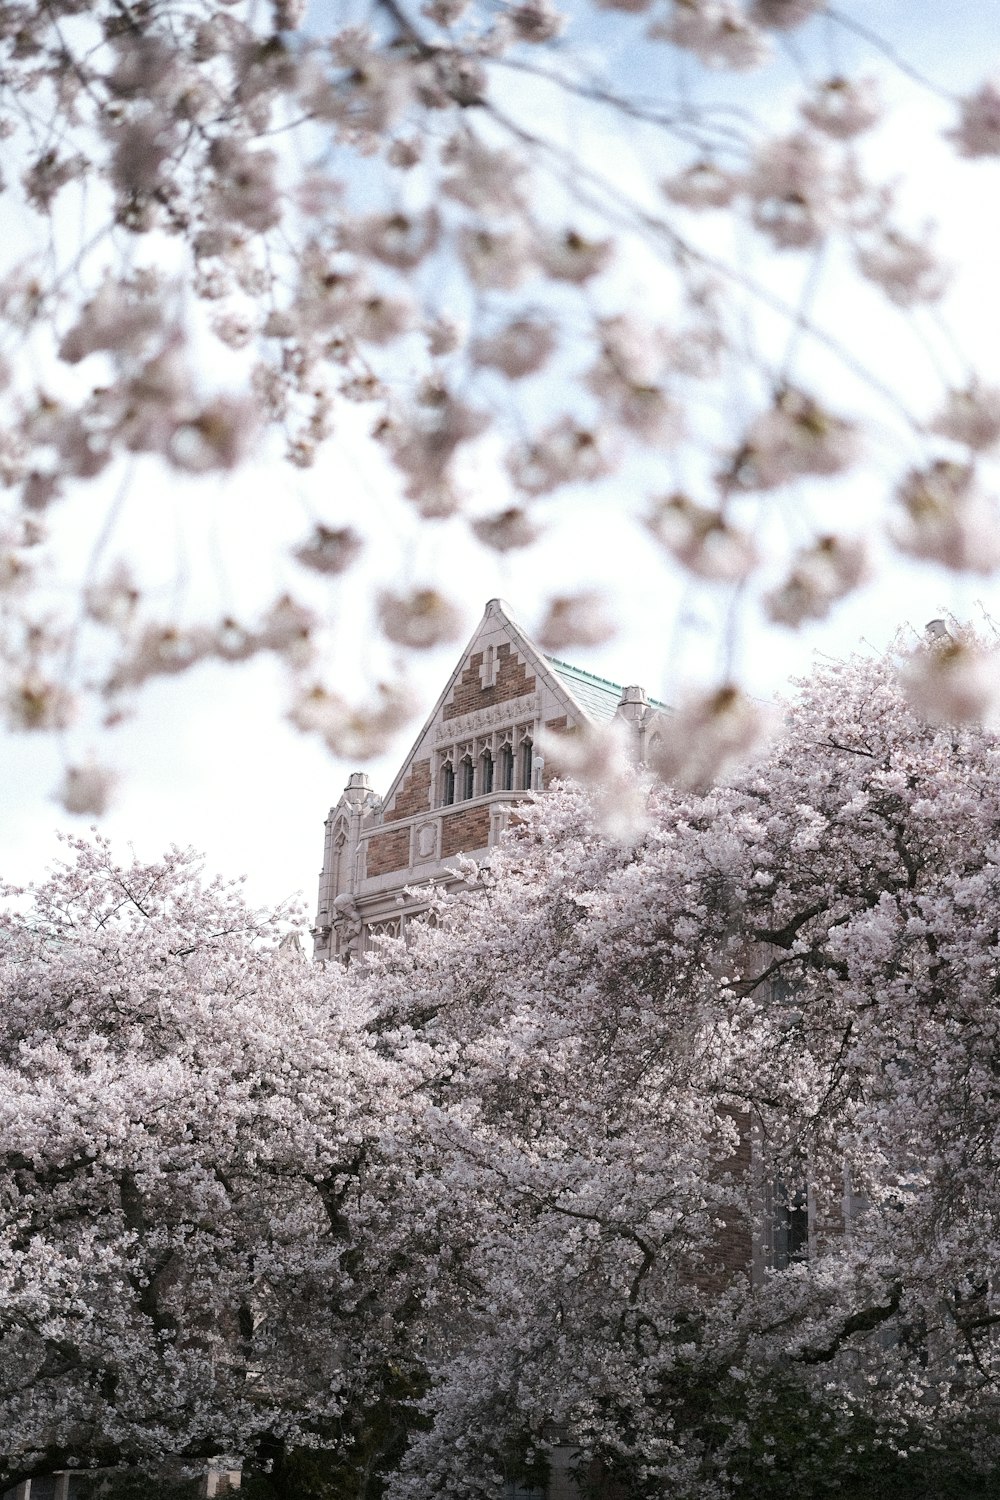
<point>476,755</point>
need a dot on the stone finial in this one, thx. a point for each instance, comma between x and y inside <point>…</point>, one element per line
<point>358,790</point>
<point>633,704</point>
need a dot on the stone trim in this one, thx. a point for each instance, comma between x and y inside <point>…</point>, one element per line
<point>482,720</point>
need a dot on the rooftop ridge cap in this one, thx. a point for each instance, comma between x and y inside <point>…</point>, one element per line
<point>555,661</point>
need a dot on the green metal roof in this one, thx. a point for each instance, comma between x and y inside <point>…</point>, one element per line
<point>598,697</point>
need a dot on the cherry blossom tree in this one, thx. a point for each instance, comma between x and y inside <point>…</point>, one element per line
<point>645,1044</point>
<point>249,227</point>
<point>191,1121</point>
<point>516,1188</point>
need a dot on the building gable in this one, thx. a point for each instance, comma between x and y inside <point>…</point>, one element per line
<point>500,680</point>
<point>477,753</point>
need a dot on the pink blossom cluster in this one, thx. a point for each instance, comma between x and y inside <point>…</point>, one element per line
<point>243,224</point>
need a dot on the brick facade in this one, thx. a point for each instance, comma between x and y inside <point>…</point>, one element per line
<point>512,681</point>
<point>733,1246</point>
<point>388,852</point>
<point>468,829</point>
<point>414,796</point>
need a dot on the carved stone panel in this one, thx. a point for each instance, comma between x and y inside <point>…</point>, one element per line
<point>425,842</point>
<point>484,720</point>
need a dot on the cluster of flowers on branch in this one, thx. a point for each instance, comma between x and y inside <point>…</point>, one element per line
<point>241,226</point>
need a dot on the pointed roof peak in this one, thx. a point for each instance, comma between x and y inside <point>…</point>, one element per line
<point>499,607</point>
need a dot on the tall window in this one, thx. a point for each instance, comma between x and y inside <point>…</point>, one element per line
<point>526,764</point>
<point>485,773</point>
<point>790,1226</point>
<point>447,784</point>
<point>466,773</point>
<point>506,768</point>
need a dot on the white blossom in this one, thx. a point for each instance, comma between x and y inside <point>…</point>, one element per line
<point>495,258</point>
<point>597,757</point>
<point>399,240</point>
<point>368,214</point>
<point>948,519</point>
<point>844,107</point>
<point>625,381</point>
<point>702,185</point>
<point>582,619</point>
<point>113,599</point>
<point>563,453</point>
<point>718,32</point>
<point>978,130</point>
<point>37,703</point>
<point>482,178</point>
<point>701,538</point>
<point>905,268</point>
<point>245,183</point>
<point>381,320</point>
<point>971,417</point>
<point>820,575</point>
<point>186,1101</point>
<point>87,789</point>
<point>517,350</point>
<point>952,682</point>
<point>795,195</point>
<point>114,319</point>
<point>507,529</point>
<point>420,618</point>
<point>236,330</point>
<point>219,436</point>
<point>572,257</point>
<point>444,335</point>
<point>784,15</point>
<point>330,549</point>
<point>353,730</point>
<point>706,735</point>
<point>288,628</point>
<point>796,437</point>
<point>536,21</point>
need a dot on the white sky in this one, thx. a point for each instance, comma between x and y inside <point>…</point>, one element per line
<point>209,761</point>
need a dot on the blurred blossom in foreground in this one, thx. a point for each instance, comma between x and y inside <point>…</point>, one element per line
<point>583,619</point>
<point>952,681</point>
<point>376,252</point>
<point>706,736</point>
<point>86,790</point>
<point>597,756</point>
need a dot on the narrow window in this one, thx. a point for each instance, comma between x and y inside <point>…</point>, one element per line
<point>506,769</point>
<point>447,784</point>
<point>790,1226</point>
<point>467,772</point>
<point>485,773</point>
<point>526,765</point>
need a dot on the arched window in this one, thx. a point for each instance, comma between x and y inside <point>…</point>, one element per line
<point>526,765</point>
<point>485,774</point>
<point>338,862</point>
<point>506,768</point>
<point>447,784</point>
<point>466,772</point>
